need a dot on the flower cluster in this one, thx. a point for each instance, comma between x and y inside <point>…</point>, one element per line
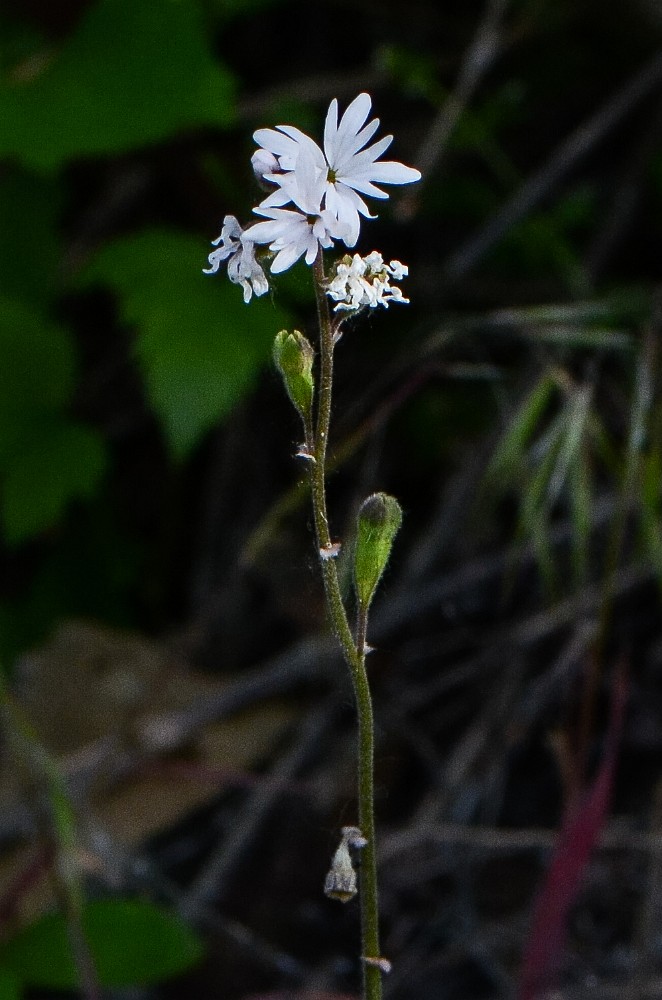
<point>316,197</point>
<point>365,282</point>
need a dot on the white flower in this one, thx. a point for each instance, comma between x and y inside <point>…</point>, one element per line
<point>291,233</point>
<point>350,169</point>
<point>365,282</point>
<point>239,251</point>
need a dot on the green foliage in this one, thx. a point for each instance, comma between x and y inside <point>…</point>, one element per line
<point>63,461</point>
<point>132,942</point>
<point>547,450</point>
<point>90,568</point>
<point>30,249</point>
<point>129,75</point>
<point>46,458</point>
<point>415,73</point>
<point>10,985</point>
<point>200,347</point>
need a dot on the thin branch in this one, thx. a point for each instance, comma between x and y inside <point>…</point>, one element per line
<point>570,152</point>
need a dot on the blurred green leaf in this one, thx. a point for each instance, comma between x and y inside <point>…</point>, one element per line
<point>29,250</point>
<point>37,361</point>
<point>90,568</point>
<point>415,72</point>
<point>46,459</point>
<point>200,346</point>
<point>510,452</point>
<point>130,74</point>
<point>64,461</point>
<point>10,985</point>
<point>133,943</point>
<point>581,506</point>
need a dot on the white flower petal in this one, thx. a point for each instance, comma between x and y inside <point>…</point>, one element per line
<point>330,129</point>
<point>286,257</point>
<point>277,198</point>
<point>265,232</point>
<point>364,136</point>
<point>353,119</point>
<point>392,172</point>
<point>275,142</point>
<point>365,187</point>
<point>367,156</point>
<point>308,177</point>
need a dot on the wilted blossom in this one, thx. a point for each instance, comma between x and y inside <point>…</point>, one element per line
<point>239,251</point>
<point>365,282</point>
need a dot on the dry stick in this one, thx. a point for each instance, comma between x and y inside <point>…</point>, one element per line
<point>58,828</point>
<point>108,759</point>
<point>501,840</point>
<point>645,931</point>
<point>354,653</point>
<point>643,400</point>
<point>626,196</point>
<point>137,872</point>
<point>216,877</point>
<point>481,54</point>
<point>566,156</point>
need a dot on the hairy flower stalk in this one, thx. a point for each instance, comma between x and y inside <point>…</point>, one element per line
<point>316,199</point>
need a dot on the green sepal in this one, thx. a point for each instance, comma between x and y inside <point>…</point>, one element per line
<point>294,357</point>
<point>379,520</point>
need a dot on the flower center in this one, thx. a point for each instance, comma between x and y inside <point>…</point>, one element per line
<point>331,176</point>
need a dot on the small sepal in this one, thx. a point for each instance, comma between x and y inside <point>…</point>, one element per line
<point>379,520</point>
<point>294,356</point>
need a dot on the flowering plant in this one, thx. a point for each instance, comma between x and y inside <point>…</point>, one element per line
<point>316,199</point>
<point>323,188</point>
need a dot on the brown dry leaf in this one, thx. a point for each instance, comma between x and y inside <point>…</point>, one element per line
<point>86,692</point>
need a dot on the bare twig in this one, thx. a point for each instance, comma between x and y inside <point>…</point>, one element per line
<point>578,144</point>
<point>221,868</point>
<point>479,57</point>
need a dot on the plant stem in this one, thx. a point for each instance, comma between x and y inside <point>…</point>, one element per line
<point>354,652</point>
<point>332,592</point>
<point>67,884</point>
<point>372,976</point>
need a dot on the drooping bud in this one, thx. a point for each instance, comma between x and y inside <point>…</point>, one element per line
<point>379,520</point>
<point>264,163</point>
<point>293,356</point>
<point>340,882</point>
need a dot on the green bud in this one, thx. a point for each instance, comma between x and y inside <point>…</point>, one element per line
<point>293,357</point>
<point>379,520</point>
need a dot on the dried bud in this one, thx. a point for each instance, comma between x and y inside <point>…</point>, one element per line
<point>293,356</point>
<point>379,520</point>
<point>340,882</point>
<point>353,836</point>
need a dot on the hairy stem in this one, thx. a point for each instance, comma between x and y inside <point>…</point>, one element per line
<point>334,600</point>
<point>354,652</point>
<point>372,977</point>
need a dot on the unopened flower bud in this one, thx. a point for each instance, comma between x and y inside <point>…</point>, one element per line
<point>379,520</point>
<point>294,356</point>
<point>263,163</point>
